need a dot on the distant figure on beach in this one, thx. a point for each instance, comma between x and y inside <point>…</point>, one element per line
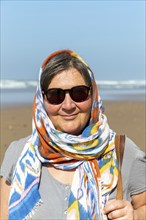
<point>72,166</point>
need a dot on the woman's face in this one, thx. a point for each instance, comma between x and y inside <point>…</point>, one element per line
<point>69,116</point>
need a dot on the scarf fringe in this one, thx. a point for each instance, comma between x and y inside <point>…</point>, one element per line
<point>33,211</point>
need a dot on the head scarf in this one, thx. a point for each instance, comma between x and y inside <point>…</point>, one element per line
<point>92,154</point>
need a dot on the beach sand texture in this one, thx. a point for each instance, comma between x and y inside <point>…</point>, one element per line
<point>123,117</point>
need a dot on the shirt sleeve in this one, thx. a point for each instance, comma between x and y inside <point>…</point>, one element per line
<point>137,177</point>
<point>133,170</point>
<point>10,158</point>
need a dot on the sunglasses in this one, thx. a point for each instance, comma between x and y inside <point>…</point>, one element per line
<point>78,94</point>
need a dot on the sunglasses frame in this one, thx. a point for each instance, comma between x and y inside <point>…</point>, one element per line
<point>70,91</point>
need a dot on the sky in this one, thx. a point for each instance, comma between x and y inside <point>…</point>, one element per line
<point>108,35</point>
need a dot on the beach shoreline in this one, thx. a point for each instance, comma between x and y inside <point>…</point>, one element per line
<point>124,117</point>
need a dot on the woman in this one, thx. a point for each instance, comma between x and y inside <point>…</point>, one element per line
<point>68,168</point>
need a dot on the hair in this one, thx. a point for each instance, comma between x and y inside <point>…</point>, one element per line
<point>60,62</point>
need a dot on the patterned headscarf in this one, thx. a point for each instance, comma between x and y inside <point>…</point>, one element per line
<point>92,153</point>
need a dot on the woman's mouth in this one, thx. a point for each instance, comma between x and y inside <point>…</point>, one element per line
<point>69,117</point>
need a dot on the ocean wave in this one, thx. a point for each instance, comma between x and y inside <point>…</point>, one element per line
<point>129,84</point>
<point>17,84</point>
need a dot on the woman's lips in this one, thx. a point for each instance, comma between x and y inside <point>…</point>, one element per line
<point>69,117</point>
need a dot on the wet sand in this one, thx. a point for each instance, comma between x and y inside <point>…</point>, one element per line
<point>124,117</point>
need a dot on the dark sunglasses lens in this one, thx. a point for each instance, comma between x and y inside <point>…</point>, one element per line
<point>79,93</point>
<point>55,96</point>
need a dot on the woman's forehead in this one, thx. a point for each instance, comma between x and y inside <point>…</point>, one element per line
<point>67,78</point>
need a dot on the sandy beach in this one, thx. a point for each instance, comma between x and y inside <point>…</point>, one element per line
<point>123,117</point>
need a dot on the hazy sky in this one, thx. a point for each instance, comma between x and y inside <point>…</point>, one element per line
<point>109,35</point>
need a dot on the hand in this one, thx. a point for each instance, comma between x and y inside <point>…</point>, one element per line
<point>119,210</point>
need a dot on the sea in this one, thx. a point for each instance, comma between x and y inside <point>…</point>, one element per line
<point>18,92</point>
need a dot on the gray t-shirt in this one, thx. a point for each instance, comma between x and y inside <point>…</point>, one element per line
<point>55,194</point>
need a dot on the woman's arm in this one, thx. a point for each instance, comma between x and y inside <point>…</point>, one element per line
<point>4,197</point>
<point>123,209</point>
<point>139,205</point>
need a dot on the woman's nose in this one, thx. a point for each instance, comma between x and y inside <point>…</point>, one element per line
<point>68,103</point>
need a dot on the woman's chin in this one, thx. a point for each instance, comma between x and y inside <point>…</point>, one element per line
<point>72,131</point>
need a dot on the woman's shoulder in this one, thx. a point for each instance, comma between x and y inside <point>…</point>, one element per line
<point>132,150</point>
<point>11,156</point>
<point>17,146</point>
<point>132,155</point>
